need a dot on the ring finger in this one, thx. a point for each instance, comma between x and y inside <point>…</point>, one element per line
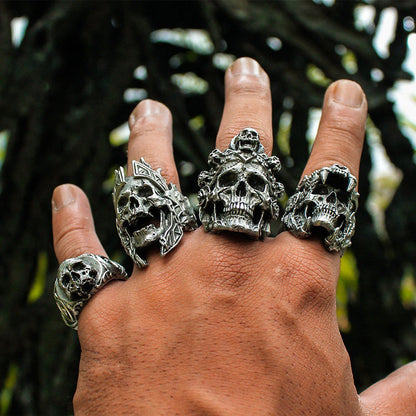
<point>339,141</point>
<point>340,135</point>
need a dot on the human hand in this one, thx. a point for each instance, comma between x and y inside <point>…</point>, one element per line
<point>224,325</point>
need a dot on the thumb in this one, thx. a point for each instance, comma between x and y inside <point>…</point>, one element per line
<point>73,224</point>
<point>392,396</point>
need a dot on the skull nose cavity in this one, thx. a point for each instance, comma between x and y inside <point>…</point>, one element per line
<point>331,198</point>
<point>134,203</point>
<point>241,189</point>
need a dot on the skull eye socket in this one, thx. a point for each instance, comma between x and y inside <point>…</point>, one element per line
<point>122,201</point>
<point>256,182</point>
<point>343,196</point>
<point>93,273</point>
<point>79,265</point>
<point>228,179</point>
<point>66,278</point>
<point>144,191</point>
<point>320,190</point>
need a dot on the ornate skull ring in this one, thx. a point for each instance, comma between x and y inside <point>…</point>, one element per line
<point>240,192</point>
<point>148,210</point>
<point>325,202</point>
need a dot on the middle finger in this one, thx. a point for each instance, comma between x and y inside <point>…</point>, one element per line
<point>151,138</point>
<point>248,103</point>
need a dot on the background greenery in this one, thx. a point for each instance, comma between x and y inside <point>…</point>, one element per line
<point>66,90</point>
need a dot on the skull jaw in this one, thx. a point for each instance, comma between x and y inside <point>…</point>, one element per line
<point>327,222</point>
<point>143,227</point>
<point>320,216</point>
<point>323,222</point>
<point>240,224</point>
<point>147,235</point>
<point>139,230</point>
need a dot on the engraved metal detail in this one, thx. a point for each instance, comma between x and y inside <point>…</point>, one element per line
<point>240,192</point>
<point>149,211</point>
<point>78,279</point>
<point>325,203</point>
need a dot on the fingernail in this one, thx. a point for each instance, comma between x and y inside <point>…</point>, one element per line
<point>245,66</point>
<point>143,109</point>
<point>63,196</point>
<point>348,93</point>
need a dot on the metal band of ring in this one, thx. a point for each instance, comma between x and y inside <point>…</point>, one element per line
<point>149,211</point>
<point>325,202</point>
<point>241,190</point>
<point>78,279</point>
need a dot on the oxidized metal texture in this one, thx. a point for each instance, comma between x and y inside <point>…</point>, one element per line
<point>78,279</point>
<point>241,190</point>
<point>148,210</point>
<point>325,202</point>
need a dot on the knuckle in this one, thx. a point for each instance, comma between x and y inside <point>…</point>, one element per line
<point>250,85</point>
<point>77,224</point>
<point>73,237</point>
<point>315,294</point>
<point>313,284</point>
<point>348,129</point>
<point>148,125</point>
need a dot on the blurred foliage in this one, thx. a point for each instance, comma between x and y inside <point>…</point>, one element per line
<point>346,289</point>
<point>408,288</point>
<point>39,281</point>
<point>71,73</point>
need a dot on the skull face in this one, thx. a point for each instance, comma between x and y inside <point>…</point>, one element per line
<point>240,192</point>
<point>148,210</point>
<point>327,207</point>
<point>140,214</point>
<point>77,280</point>
<point>240,200</point>
<point>139,211</point>
<point>326,203</point>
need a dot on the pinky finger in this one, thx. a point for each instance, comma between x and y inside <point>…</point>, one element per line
<point>73,224</point>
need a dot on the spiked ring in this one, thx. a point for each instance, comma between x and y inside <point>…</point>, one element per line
<point>324,204</point>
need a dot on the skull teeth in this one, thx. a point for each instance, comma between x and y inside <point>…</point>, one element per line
<point>324,217</point>
<point>324,211</point>
<point>239,208</point>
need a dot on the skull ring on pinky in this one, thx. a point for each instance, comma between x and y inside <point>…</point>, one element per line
<point>148,210</point>
<point>325,202</point>
<point>240,192</point>
<point>78,279</point>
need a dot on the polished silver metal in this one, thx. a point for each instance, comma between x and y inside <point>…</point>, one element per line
<point>78,279</point>
<point>325,203</point>
<point>241,190</point>
<point>148,210</point>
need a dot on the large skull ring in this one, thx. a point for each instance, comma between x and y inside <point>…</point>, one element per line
<point>148,210</point>
<point>240,191</point>
<point>325,202</point>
